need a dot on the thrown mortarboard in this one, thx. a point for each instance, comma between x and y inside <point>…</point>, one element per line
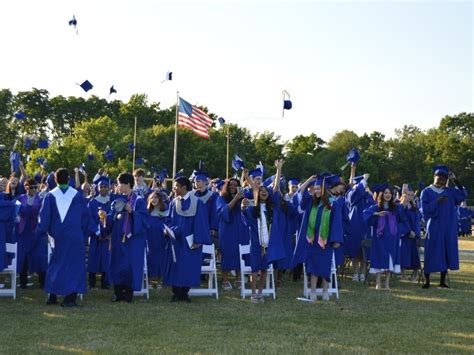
<point>15,159</point>
<point>139,161</point>
<point>90,156</point>
<point>200,175</point>
<point>103,181</point>
<point>27,143</point>
<point>43,144</point>
<point>441,170</point>
<point>260,166</point>
<point>131,147</point>
<point>179,174</point>
<point>162,175</point>
<point>20,115</point>
<point>237,163</point>
<point>268,181</point>
<point>221,121</point>
<point>38,177</point>
<point>293,181</point>
<point>108,154</point>
<point>86,86</point>
<point>112,90</point>
<point>41,162</point>
<point>73,21</point>
<point>255,172</point>
<point>287,105</point>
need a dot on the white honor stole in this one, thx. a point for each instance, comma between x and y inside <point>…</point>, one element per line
<point>263,235</point>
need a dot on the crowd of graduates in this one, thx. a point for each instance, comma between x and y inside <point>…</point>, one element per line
<point>67,230</point>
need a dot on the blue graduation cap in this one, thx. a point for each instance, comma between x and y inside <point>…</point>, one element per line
<point>169,75</point>
<point>82,168</point>
<point>139,161</point>
<point>268,181</point>
<point>320,179</point>
<point>237,163</point>
<point>73,21</point>
<point>381,187</point>
<point>108,153</point>
<point>421,185</point>
<point>332,180</point>
<point>358,179</point>
<point>40,161</point>
<point>86,86</point>
<point>38,177</point>
<point>353,156</point>
<point>260,166</point>
<point>103,181</point>
<point>441,170</point>
<point>287,105</point>
<point>131,147</point>
<point>200,175</point>
<point>90,156</point>
<point>27,143</point>
<point>255,172</point>
<point>50,181</point>
<point>112,90</point>
<point>15,159</point>
<point>293,181</point>
<point>162,175</point>
<point>221,121</point>
<point>20,115</point>
<point>179,174</point>
<point>43,144</point>
<point>220,184</point>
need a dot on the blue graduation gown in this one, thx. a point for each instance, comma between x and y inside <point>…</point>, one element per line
<point>31,245</point>
<point>441,244</point>
<point>410,222</point>
<point>211,207</point>
<point>66,272</point>
<point>186,271</point>
<point>318,260</point>
<point>156,241</point>
<point>127,259</point>
<point>232,232</point>
<point>383,246</point>
<point>287,222</point>
<point>464,217</point>
<point>99,239</point>
<point>357,200</point>
<point>7,222</point>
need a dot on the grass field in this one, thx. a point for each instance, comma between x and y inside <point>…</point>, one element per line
<point>405,319</point>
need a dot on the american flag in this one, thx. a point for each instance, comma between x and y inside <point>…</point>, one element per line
<point>191,117</point>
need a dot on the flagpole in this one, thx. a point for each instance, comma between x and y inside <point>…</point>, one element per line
<point>175,149</point>
<point>227,161</point>
<point>134,144</point>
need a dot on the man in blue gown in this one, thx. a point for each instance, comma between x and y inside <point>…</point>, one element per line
<point>189,223</point>
<point>438,207</point>
<point>65,217</point>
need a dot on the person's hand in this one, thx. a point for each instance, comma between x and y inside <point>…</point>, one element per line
<point>239,195</point>
<point>279,163</point>
<point>451,175</point>
<point>76,170</point>
<point>412,235</point>
<point>128,208</point>
<point>336,245</point>
<point>195,246</point>
<point>245,202</point>
<point>442,198</point>
<point>366,176</point>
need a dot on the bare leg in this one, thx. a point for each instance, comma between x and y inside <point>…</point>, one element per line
<point>378,284</point>
<point>261,283</point>
<point>254,282</point>
<point>387,280</point>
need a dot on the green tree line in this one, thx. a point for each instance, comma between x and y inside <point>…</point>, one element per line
<point>77,127</point>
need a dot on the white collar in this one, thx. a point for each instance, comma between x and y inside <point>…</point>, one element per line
<point>185,197</point>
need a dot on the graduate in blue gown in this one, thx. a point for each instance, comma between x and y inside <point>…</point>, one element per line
<point>190,226</point>
<point>99,237</point>
<point>128,223</point>
<point>321,231</point>
<point>266,243</point>
<point>32,248</point>
<point>410,231</point>
<point>438,208</point>
<point>231,228</point>
<point>358,198</point>
<point>7,223</point>
<point>464,219</point>
<point>384,218</point>
<point>209,198</point>
<point>158,216</point>
<point>65,217</point>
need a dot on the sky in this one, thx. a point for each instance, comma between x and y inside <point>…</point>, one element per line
<point>357,65</point>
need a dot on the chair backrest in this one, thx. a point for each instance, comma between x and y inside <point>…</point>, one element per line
<point>208,249</point>
<point>11,248</point>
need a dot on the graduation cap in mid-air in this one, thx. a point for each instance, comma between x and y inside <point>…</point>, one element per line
<point>179,174</point>
<point>131,147</point>
<point>82,168</point>
<point>86,86</point>
<point>221,121</point>
<point>139,161</point>
<point>90,156</point>
<point>287,104</point>
<point>15,159</point>
<point>168,77</point>
<point>27,143</point>
<point>237,163</point>
<point>108,153</point>
<point>73,23</point>
<point>112,90</point>
<point>43,144</point>
<point>20,115</point>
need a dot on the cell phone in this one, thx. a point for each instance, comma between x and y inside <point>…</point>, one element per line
<point>404,188</point>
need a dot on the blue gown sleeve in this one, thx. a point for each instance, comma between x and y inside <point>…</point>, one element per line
<point>201,226</point>
<point>336,232</point>
<point>140,216</point>
<point>429,205</point>
<point>368,214</point>
<point>223,210</point>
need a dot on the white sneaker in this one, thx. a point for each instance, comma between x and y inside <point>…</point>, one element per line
<point>260,299</point>
<point>325,296</point>
<point>254,299</point>
<point>226,285</point>
<point>361,277</point>
<point>313,297</point>
<point>355,278</point>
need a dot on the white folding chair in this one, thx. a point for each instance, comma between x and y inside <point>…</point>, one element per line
<point>269,289</point>
<point>145,291</point>
<point>211,272</point>
<point>333,286</point>
<point>10,270</point>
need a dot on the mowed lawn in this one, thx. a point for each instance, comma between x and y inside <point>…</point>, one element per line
<point>405,319</point>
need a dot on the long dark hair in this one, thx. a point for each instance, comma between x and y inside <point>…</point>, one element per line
<point>225,193</point>
<point>324,199</point>
<point>161,203</point>
<point>268,204</point>
<point>391,205</point>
